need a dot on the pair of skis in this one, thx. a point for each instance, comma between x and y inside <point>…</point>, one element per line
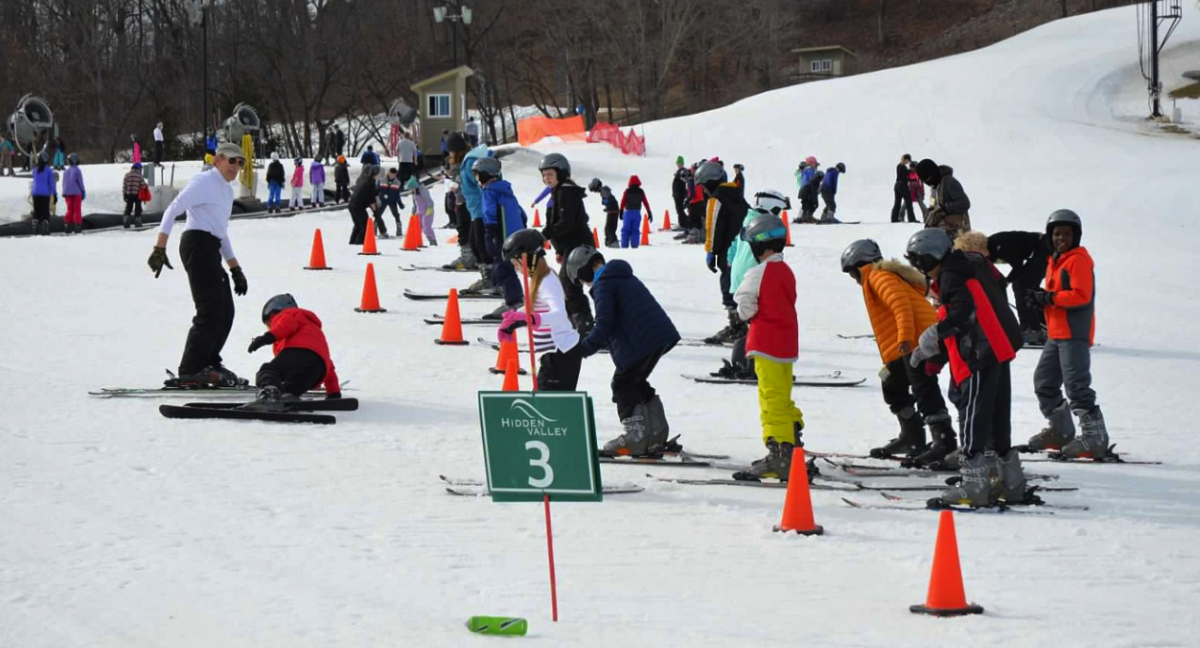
<point>301,411</point>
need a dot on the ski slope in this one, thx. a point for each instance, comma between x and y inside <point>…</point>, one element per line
<point>121,528</point>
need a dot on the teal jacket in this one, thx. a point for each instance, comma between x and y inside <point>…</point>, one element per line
<point>471,191</point>
<point>740,257</point>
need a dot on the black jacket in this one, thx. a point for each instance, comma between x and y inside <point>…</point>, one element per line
<point>1021,251</point>
<point>341,174</point>
<point>365,194</point>
<point>567,219</point>
<point>964,320</point>
<point>275,173</point>
<point>902,174</point>
<point>729,213</point>
<point>679,183</point>
<point>951,197</point>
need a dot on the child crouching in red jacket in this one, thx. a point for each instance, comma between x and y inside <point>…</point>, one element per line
<point>301,355</point>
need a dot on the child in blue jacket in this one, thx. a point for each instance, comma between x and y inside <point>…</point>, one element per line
<point>829,187</point>
<point>631,212</point>
<point>502,216</point>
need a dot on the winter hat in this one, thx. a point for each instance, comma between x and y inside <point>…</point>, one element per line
<point>274,156</point>
<point>412,183</point>
<point>455,142</point>
<point>230,150</point>
<point>316,161</point>
<point>928,172</point>
<point>811,161</point>
<point>635,181</point>
<point>298,161</point>
<point>679,159</point>
<point>341,159</point>
<point>137,165</point>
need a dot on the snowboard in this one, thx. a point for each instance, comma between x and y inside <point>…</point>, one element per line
<point>445,295</point>
<point>834,379</point>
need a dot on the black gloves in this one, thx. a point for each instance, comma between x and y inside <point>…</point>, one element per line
<point>711,262</point>
<point>261,341</point>
<point>1039,298</point>
<point>158,259</point>
<point>239,281</point>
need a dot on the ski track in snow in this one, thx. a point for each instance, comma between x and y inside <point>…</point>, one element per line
<point>121,528</point>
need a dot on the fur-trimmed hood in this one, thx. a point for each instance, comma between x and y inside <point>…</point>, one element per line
<point>904,271</point>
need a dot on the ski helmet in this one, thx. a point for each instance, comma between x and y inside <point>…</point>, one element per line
<point>929,172</point>
<point>811,161</point>
<point>594,185</point>
<point>487,168</point>
<point>709,172</point>
<point>456,143</point>
<point>763,229</point>
<point>73,159</point>
<point>841,167</point>
<point>927,248</point>
<point>527,241</point>
<point>578,265</point>
<point>1065,217</point>
<point>559,162</point>
<point>772,201</point>
<point>276,304</point>
<point>859,254</point>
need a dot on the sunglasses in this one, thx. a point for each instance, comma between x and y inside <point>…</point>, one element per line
<point>239,161</point>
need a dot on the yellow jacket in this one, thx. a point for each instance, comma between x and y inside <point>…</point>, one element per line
<point>895,297</point>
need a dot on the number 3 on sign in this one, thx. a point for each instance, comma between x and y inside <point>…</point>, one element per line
<point>540,462</point>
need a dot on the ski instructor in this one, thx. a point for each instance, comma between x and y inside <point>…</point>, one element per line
<point>208,201</point>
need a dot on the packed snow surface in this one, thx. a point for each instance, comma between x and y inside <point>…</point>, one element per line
<point>122,528</point>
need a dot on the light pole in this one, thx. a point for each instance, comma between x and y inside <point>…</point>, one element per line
<point>443,13</point>
<point>201,6</point>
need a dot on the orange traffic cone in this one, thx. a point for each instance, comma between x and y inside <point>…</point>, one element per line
<point>412,240</point>
<point>510,377</point>
<point>645,230</point>
<point>787,225</point>
<point>797,506</point>
<point>368,248</point>
<point>946,596</point>
<point>370,296</point>
<point>452,240</point>
<point>508,351</point>
<point>452,325</point>
<point>666,224</point>
<point>596,238</point>
<point>537,218</point>
<point>316,259</point>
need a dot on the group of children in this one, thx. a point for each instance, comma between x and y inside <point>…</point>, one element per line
<point>814,183</point>
<point>316,178</point>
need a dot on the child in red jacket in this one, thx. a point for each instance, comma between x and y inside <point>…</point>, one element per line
<point>301,355</point>
<point>767,300</point>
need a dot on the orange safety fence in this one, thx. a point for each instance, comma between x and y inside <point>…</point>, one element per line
<point>630,144</point>
<point>534,129</point>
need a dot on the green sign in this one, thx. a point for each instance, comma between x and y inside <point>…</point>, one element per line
<point>538,443</point>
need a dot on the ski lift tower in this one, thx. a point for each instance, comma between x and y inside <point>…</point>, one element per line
<point>1157,20</point>
<point>32,126</point>
<point>241,128</point>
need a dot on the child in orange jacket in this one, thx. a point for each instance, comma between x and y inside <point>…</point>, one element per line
<point>302,359</point>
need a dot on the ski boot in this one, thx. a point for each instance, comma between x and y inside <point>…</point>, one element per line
<point>222,377</point>
<point>498,314</point>
<point>975,487</point>
<point>776,465</point>
<point>682,234</point>
<point>125,222</point>
<point>482,285</point>
<point>1013,487</point>
<point>911,440</point>
<point>1058,433</point>
<point>942,452</point>
<point>828,218</point>
<point>734,330</point>
<point>137,221</point>
<point>635,442</point>
<point>695,237</point>
<point>612,244</point>
<point>658,428</point>
<point>1092,443</point>
<point>268,399</point>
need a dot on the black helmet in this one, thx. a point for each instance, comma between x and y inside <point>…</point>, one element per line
<point>927,248</point>
<point>578,265</point>
<point>709,172</point>
<point>276,304</point>
<point>595,185</point>
<point>1065,217</point>
<point>527,241</point>
<point>860,253</point>
<point>763,229</point>
<point>488,167</point>
<point>559,162</point>
<point>841,167</point>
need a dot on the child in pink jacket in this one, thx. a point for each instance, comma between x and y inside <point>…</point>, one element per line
<point>297,186</point>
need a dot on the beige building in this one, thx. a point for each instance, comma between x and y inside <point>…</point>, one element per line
<point>823,62</point>
<point>442,105</point>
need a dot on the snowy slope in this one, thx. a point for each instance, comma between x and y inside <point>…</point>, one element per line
<point>121,528</point>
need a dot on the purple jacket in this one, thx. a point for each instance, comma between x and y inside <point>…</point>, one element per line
<point>316,173</point>
<point>43,182</point>
<point>72,184</point>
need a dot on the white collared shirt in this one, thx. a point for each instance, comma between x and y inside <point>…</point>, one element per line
<point>158,136</point>
<point>208,201</point>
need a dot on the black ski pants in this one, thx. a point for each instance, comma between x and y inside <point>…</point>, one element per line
<point>908,386</point>
<point>696,216</point>
<point>341,192</point>
<point>830,200</point>
<point>463,224</point>
<point>478,242</point>
<point>200,253</point>
<point>1029,278</point>
<point>681,206</point>
<point>631,387</point>
<point>985,410</point>
<point>407,170</point>
<point>360,218</point>
<point>578,307</point>
<point>559,370</point>
<point>133,205</point>
<point>610,226</point>
<point>293,371</point>
<point>903,201</point>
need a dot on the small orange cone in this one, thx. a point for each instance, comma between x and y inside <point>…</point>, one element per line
<point>316,259</point>
<point>946,595</point>
<point>370,296</point>
<point>797,507</point>
<point>452,326</point>
<point>666,224</point>
<point>787,225</point>
<point>452,240</point>
<point>537,218</point>
<point>412,240</point>
<point>645,230</point>
<point>510,377</point>
<point>368,248</point>
<point>596,238</point>
<point>508,351</point>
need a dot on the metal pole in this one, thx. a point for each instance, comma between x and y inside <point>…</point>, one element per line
<point>1155,88</point>
<point>455,41</point>
<point>204,64</point>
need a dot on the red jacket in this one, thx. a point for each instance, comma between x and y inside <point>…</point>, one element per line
<point>1071,276</point>
<point>767,299</point>
<point>296,328</point>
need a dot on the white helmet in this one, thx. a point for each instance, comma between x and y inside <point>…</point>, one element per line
<point>772,201</point>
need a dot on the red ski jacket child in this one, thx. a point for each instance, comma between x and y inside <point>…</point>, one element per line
<point>296,328</point>
<point>767,299</point>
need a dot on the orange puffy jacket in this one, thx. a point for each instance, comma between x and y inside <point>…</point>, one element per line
<point>1072,278</point>
<point>895,298</point>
